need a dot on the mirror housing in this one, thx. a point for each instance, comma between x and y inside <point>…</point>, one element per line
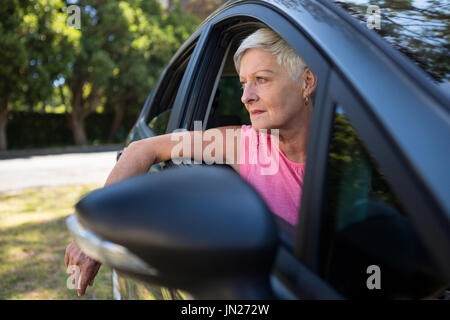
<point>202,229</point>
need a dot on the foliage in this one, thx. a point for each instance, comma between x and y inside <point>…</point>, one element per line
<point>421,31</point>
<point>43,130</point>
<point>110,63</point>
<point>203,8</point>
<point>352,175</point>
<point>122,49</point>
<point>31,55</point>
<point>155,36</point>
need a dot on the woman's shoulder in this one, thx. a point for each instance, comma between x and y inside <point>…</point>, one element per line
<point>247,129</point>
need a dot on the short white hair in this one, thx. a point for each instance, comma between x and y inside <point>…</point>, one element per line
<point>269,40</point>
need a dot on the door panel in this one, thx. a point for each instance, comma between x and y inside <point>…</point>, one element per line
<point>364,222</point>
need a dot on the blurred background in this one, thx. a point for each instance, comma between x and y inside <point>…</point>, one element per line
<point>74,76</point>
<point>68,81</point>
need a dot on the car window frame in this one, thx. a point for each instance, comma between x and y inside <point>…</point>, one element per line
<point>142,130</point>
<point>175,68</point>
<point>186,89</point>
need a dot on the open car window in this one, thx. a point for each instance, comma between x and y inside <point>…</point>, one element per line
<point>225,108</point>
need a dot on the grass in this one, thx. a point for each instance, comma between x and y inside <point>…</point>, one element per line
<point>33,238</point>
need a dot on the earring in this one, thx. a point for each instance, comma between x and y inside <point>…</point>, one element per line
<point>306,100</point>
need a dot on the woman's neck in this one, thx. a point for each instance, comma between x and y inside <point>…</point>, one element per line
<point>294,139</point>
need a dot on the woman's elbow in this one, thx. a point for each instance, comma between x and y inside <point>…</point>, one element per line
<point>140,153</point>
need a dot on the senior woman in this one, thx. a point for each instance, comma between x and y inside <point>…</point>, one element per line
<point>277,92</point>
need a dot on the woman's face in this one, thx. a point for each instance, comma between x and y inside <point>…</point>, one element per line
<point>272,98</point>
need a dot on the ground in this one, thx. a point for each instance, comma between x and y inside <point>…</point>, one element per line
<point>33,238</point>
<point>37,193</point>
<point>52,170</point>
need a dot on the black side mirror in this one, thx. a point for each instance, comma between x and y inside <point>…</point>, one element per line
<point>201,229</point>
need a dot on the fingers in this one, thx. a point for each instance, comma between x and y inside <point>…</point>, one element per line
<point>83,283</point>
<point>66,258</point>
<point>89,270</point>
<point>88,267</point>
<point>97,267</point>
<point>68,254</point>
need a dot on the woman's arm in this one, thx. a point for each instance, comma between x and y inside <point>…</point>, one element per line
<point>140,155</point>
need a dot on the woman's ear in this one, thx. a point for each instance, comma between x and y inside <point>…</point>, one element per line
<point>309,82</point>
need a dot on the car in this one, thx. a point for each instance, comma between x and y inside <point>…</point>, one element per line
<point>375,207</point>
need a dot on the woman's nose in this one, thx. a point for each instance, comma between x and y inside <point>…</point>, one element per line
<point>249,94</point>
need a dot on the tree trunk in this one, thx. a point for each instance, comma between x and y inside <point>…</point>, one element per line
<point>3,123</point>
<point>77,125</point>
<point>76,117</point>
<point>118,117</point>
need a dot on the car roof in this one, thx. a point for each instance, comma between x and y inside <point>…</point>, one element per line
<point>417,117</point>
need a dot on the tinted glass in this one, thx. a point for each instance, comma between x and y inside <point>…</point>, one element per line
<point>419,29</point>
<point>159,115</point>
<point>227,108</point>
<point>365,225</point>
<point>159,123</point>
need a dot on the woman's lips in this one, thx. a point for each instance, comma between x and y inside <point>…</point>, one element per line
<point>255,112</point>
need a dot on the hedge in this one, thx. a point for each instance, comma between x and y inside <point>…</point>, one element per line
<point>39,130</point>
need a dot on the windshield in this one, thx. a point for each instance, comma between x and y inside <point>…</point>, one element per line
<point>419,29</point>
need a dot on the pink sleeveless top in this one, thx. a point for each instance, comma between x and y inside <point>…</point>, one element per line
<point>277,179</point>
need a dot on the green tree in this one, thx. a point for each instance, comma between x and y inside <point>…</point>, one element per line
<point>30,57</point>
<point>122,48</point>
<point>155,36</point>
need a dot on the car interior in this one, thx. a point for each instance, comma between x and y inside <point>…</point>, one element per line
<point>227,108</point>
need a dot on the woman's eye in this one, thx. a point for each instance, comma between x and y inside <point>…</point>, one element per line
<point>242,85</point>
<point>261,80</point>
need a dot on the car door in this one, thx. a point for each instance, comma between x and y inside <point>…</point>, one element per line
<point>379,150</point>
<point>367,239</point>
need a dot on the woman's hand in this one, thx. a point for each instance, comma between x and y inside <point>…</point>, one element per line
<point>88,267</point>
<point>136,159</point>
